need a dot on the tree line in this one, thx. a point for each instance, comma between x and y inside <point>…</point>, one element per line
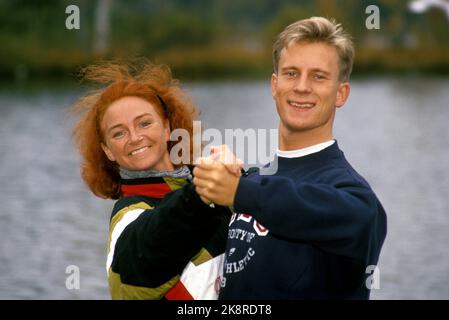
<point>207,39</point>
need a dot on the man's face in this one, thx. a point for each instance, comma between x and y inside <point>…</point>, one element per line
<point>306,89</point>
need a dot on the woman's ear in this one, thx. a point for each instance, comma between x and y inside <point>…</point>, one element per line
<point>107,151</point>
<point>167,130</point>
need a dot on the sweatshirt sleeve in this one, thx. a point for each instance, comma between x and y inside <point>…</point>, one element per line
<point>341,218</point>
<point>159,243</point>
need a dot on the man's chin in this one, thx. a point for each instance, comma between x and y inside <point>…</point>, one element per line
<point>297,127</point>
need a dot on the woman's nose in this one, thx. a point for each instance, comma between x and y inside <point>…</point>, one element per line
<point>134,136</point>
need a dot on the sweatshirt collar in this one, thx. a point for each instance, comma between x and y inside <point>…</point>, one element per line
<point>304,151</point>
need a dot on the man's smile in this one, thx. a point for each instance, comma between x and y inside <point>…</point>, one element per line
<point>301,104</point>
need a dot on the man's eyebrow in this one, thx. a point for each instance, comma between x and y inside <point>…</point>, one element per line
<point>312,69</point>
<point>288,68</point>
<point>321,70</point>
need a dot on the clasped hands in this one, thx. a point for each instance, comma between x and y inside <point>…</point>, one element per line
<point>216,177</point>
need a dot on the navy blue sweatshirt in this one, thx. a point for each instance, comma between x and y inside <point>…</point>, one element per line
<point>307,232</point>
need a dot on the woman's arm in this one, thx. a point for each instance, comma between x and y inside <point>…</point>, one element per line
<point>159,243</point>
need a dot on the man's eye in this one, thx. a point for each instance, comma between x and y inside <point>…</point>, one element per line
<point>291,74</point>
<point>319,76</point>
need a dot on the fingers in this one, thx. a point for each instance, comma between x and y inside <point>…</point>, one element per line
<point>207,171</point>
<point>235,168</point>
<point>206,163</point>
<point>206,181</point>
<point>200,182</point>
<point>215,153</point>
<point>216,182</point>
<point>205,200</point>
<point>202,193</point>
<point>223,154</point>
<point>218,186</point>
<point>217,150</point>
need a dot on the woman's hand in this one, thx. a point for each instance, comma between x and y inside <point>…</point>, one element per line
<point>223,154</point>
<point>214,182</point>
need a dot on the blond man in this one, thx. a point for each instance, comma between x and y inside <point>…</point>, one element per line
<point>314,228</point>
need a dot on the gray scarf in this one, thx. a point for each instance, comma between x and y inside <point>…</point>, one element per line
<point>182,173</point>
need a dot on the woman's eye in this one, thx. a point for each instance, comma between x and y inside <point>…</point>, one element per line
<point>118,134</point>
<point>145,124</point>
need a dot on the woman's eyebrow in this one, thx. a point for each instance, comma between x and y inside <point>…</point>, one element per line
<point>143,115</point>
<point>114,127</point>
<point>135,119</point>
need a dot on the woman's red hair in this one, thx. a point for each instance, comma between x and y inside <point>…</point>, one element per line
<point>153,83</point>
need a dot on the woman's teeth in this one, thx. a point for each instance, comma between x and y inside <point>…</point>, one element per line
<point>139,151</point>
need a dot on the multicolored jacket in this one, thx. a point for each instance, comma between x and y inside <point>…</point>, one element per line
<point>164,242</point>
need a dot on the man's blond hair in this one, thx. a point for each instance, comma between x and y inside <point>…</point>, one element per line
<point>318,29</point>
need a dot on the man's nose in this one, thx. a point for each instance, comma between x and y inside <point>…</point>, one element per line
<point>303,84</point>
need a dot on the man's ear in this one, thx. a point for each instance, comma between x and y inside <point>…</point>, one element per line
<point>108,152</point>
<point>342,94</point>
<point>274,82</point>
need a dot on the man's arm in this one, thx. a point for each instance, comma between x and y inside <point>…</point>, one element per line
<point>341,219</point>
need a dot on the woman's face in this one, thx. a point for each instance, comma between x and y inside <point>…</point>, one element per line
<point>135,135</point>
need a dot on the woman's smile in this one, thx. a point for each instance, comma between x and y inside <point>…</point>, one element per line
<point>139,151</point>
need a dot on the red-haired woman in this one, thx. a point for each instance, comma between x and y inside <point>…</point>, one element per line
<point>164,241</point>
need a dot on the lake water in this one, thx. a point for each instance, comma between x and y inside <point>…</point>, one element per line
<point>393,130</point>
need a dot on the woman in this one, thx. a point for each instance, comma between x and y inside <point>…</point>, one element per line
<point>164,241</point>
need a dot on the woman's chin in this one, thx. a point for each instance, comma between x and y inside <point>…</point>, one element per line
<point>143,165</point>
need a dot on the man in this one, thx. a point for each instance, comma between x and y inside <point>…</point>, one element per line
<point>313,228</point>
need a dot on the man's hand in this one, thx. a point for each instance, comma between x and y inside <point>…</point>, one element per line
<point>214,182</point>
<point>223,154</point>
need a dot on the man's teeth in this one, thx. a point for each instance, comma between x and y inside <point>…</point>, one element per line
<point>139,150</point>
<point>301,105</point>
